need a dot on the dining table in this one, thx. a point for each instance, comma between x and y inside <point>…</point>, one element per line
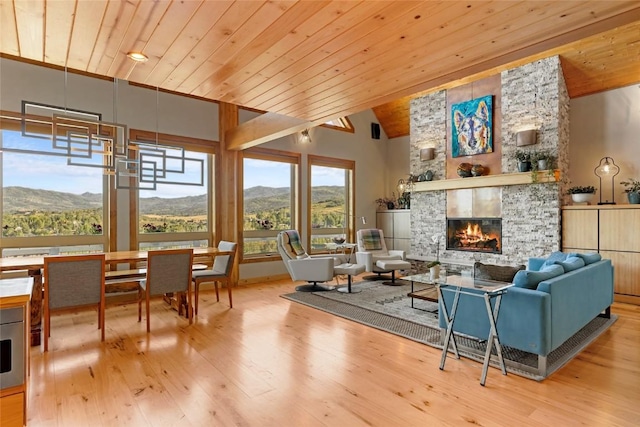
<point>33,265</point>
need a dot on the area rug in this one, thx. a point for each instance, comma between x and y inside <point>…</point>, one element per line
<point>388,308</point>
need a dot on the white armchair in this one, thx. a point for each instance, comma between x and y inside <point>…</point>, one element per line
<point>372,248</point>
<point>302,266</point>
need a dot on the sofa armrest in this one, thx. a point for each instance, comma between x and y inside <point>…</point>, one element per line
<point>365,258</point>
<point>312,269</point>
<point>396,252</point>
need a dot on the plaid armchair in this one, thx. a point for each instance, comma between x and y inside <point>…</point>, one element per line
<point>372,248</point>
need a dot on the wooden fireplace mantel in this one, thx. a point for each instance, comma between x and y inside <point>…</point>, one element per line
<point>499,180</point>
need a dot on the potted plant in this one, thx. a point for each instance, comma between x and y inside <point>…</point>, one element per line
<point>434,266</point>
<point>524,160</point>
<point>633,190</point>
<point>386,202</point>
<point>542,160</point>
<point>580,194</point>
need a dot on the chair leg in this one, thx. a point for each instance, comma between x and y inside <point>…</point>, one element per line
<point>217,294</point>
<point>147,305</point>
<point>47,330</point>
<point>230,298</point>
<point>197,291</point>
<point>139,304</point>
<point>101,320</point>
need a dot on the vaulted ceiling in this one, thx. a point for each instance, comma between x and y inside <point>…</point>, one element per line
<point>306,62</point>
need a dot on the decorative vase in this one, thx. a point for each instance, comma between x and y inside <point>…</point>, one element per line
<point>634,197</point>
<point>582,197</point>
<point>477,170</point>
<point>390,205</point>
<point>434,273</point>
<point>464,170</point>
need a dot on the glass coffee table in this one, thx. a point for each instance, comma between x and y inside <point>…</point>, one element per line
<point>479,288</point>
<point>428,290</point>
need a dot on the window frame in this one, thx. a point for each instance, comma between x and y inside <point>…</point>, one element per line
<point>267,154</point>
<point>13,121</point>
<point>210,147</point>
<point>331,162</point>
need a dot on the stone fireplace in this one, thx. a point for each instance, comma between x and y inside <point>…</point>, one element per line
<point>474,235</point>
<point>525,218</point>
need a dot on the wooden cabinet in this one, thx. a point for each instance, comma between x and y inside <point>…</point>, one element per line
<point>611,230</point>
<point>396,226</point>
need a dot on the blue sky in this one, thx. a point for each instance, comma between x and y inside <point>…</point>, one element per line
<point>36,171</point>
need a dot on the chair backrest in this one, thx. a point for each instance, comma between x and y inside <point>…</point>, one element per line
<point>73,280</point>
<point>223,264</point>
<point>371,240</point>
<point>169,270</point>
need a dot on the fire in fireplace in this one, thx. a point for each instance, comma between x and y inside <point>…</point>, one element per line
<point>475,234</point>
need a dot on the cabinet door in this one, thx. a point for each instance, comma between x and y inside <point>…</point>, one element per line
<point>12,410</point>
<point>619,230</point>
<point>384,221</point>
<point>580,229</point>
<point>402,224</point>
<point>626,270</point>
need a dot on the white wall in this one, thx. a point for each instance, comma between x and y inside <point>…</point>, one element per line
<point>605,124</point>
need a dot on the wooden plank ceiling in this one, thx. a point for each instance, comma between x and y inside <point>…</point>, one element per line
<point>313,61</point>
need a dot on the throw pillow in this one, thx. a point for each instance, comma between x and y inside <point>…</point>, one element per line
<point>555,257</point>
<point>530,279</point>
<point>371,240</point>
<point>572,263</point>
<point>590,258</point>
<point>501,273</point>
<point>294,241</point>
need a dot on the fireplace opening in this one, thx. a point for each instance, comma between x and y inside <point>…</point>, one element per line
<point>475,235</point>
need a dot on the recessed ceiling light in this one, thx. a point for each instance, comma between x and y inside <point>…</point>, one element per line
<point>138,56</point>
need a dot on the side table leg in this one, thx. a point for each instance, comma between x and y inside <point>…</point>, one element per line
<point>449,319</point>
<point>493,338</point>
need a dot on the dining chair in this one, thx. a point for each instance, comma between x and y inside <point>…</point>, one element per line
<point>71,281</point>
<point>220,272</point>
<point>168,271</point>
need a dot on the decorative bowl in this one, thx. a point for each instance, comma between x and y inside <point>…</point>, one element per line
<point>582,197</point>
<point>464,170</point>
<point>338,240</point>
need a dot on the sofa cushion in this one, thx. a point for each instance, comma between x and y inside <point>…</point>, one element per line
<point>530,279</point>
<point>571,263</point>
<point>501,273</point>
<point>590,258</point>
<point>556,257</point>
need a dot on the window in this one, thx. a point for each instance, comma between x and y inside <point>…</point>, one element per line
<point>341,123</point>
<point>53,189</point>
<point>269,182</point>
<point>330,201</point>
<point>174,210</point>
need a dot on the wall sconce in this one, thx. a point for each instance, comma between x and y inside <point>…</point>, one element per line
<point>607,169</point>
<point>428,153</point>
<point>526,137</point>
<point>305,138</point>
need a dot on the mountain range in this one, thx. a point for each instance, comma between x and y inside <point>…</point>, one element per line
<point>257,199</point>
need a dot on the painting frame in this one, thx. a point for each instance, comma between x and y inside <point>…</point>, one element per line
<point>472,127</point>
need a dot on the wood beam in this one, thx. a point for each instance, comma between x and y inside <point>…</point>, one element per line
<point>264,128</point>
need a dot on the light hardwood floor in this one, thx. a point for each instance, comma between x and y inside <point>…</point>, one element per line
<point>272,362</point>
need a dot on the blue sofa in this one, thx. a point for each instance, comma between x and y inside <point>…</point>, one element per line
<point>539,317</point>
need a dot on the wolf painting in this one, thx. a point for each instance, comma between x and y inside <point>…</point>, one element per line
<point>472,127</point>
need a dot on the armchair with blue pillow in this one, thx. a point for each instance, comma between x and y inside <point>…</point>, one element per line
<point>550,301</point>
